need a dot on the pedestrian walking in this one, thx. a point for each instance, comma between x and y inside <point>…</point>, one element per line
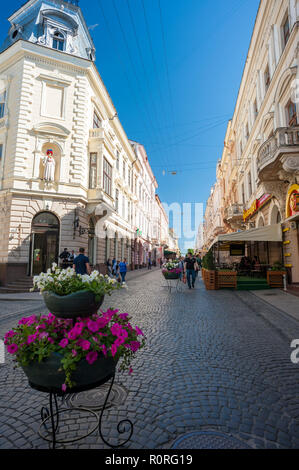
<point>149,263</point>
<point>113,266</point>
<point>81,263</point>
<point>181,267</point>
<point>72,257</point>
<point>109,268</point>
<point>190,269</point>
<point>64,256</point>
<point>161,263</point>
<point>117,273</point>
<point>123,269</point>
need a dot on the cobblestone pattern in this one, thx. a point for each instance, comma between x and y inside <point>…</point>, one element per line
<point>214,361</point>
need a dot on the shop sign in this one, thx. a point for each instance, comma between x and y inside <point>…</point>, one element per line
<point>256,206</point>
<point>237,250</point>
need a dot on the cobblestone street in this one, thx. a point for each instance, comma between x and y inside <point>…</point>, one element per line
<point>214,361</point>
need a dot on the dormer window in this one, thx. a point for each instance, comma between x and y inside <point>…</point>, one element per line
<point>58,41</point>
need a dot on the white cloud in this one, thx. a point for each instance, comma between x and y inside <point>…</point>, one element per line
<point>93,26</point>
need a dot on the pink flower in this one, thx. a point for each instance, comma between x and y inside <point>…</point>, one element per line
<point>31,338</point>
<point>113,349</point>
<point>139,332</point>
<point>123,316</point>
<point>104,350</point>
<point>134,346</point>
<point>63,387</point>
<point>85,345</point>
<point>43,335</point>
<point>93,326</point>
<point>79,327</point>
<point>51,318</point>
<point>73,334</point>
<point>102,322</point>
<point>63,343</point>
<point>12,348</point>
<point>74,352</point>
<point>51,340</point>
<point>10,334</point>
<point>130,371</point>
<point>91,357</point>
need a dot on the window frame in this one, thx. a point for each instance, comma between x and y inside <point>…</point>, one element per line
<point>93,170</point>
<point>96,120</point>
<point>59,38</point>
<point>286,35</point>
<point>107,177</point>
<point>3,104</point>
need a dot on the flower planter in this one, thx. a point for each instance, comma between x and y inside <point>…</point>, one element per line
<point>210,279</point>
<point>275,278</point>
<point>171,276</point>
<point>48,374</point>
<point>227,279</point>
<point>78,304</point>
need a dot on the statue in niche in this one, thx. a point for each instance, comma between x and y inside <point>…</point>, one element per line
<point>49,165</point>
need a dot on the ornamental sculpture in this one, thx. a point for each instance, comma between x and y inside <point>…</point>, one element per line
<point>49,164</point>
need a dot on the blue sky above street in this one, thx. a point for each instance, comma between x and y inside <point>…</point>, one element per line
<point>173,70</point>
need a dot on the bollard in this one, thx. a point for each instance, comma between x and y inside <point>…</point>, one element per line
<point>285,282</point>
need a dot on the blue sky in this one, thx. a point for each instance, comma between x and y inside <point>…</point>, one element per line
<point>174,82</point>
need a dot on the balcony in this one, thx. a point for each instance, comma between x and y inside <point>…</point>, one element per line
<point>234,213</point>
<point>279,152</point>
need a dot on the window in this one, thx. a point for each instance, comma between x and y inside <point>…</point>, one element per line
<point>117,160</point>
<point>97,123</point>
<point>243,193</point>
<point>247,131</point>
<point>1,154</point>
<point>116,200</point>
<point>255,110</point>
<point>124,170</point>
<point>267,78</point>
<point>124,207</point>
<point>129,177</point>
<point>128,214</point>
<point>58,41</point>
<point>291,114</point>
<point>286,31</point>
<point>93,159</point>
<point>2,103</point>
<point>249,184</point>
<point>107,177</point>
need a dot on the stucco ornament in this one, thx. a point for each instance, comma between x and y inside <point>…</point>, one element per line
<point>49,164</point>
<point>291,164</point>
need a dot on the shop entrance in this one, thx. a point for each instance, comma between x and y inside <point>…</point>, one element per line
<point>44,244</point>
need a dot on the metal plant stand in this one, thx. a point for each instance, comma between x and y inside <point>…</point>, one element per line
<point>175,284</point>
<point>51,416</point>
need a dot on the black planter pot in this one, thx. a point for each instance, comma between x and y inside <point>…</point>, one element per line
<point>171,276</point>
<point>78,304</point>
<point>46,376</point>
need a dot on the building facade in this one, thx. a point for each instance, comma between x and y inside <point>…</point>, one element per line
<point>69,176</point>
<point>258,174</point>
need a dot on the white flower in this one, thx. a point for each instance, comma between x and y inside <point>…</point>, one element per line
<point>54,266</point>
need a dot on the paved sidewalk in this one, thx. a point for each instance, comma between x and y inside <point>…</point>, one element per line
<point>284,301</point>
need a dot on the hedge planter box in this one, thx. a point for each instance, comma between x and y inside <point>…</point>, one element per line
<point>78,304</point>
<point>227,279</point>
<point>171,276</point>
<point>275,278</point>
<point>210,279</point>
<point>48,375</point>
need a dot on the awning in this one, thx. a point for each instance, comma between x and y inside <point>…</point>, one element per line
<point>270,233</point>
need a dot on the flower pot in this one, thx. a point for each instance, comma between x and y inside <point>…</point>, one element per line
<point>275,278</point>
<point>78,304</point>
<point>48,375</point>
<point>169,275</point>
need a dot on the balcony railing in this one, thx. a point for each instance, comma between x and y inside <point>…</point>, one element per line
<point>96,133</point>
<point>235,211</point>
<point>285,140</point>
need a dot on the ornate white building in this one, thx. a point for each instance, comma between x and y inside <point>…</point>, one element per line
<point>54,102</point>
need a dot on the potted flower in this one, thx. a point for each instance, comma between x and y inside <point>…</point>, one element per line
<point>171,270</point>
<point>275,275</point>
<point>209,272</point>
<point>70,295</point>
<point>59,354</point>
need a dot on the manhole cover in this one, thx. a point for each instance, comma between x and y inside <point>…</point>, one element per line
<point>94,399</point>
<point>208,440</point>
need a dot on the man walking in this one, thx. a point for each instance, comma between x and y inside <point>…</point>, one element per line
<point>123,270</point>
<point>81,263</point>
<point>64,256</point>
<point>190,269</point>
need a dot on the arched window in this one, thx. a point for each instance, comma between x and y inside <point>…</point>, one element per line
<point>58,41</point>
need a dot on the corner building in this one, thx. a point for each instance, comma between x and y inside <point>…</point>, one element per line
<point>52,98</point>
